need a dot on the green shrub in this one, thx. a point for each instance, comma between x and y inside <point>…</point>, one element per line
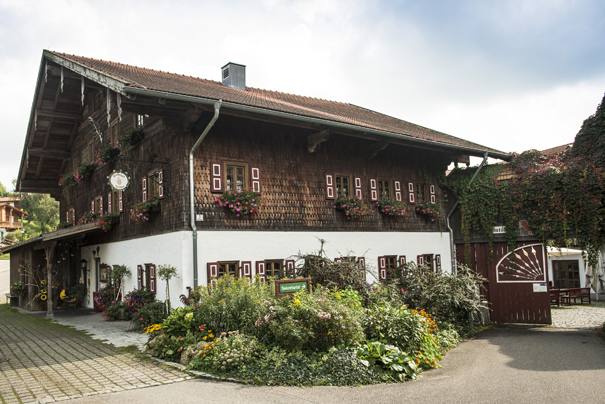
<point>116,311</point>
<point>106,296</point>
<point>453,299</point>
<point>169,347</point>
<point>180,322</point>
<point>136,300</point>
<point>387,360</point>
<point>151,313</point>
<point>229,354</point>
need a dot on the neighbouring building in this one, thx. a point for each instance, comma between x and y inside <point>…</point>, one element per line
<point>11,217</point>
<point>300,152</point>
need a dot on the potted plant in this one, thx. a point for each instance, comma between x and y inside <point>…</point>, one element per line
<point>429,210</point>
<point>82,173</point>
<point>242,202</point>
<point>106,153</point>
<point>131,136</point>
<point>392,207</point>
<point>139,212</point>
<point>18,291</point>
<point>352,206</point>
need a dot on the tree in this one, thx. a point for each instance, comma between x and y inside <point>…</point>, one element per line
<point>43,214</point>
<point>167,272</point>
<point>118,273</point>
<point>3,191</point>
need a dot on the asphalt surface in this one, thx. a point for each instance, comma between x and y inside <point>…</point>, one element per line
<point>501,365</point>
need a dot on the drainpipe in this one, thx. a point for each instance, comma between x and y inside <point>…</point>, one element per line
<point>217,107</point>
<point>452,250</point>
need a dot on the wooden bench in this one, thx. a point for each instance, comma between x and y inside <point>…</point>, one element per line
<point>555,296</point>
<point>576,293</point>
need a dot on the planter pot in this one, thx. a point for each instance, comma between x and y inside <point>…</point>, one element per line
<point>136,137</point>
<point>96,307</point>
<point>155,208</point>
<point>14,301</point>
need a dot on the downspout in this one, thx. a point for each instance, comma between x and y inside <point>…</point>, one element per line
<point>452,250</point>
<point>217,107</point>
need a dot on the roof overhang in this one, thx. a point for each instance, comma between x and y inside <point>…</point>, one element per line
<point>63,234</point>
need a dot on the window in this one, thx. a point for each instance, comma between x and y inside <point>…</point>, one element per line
<point>275,268</point>
<point>384,189</point>
<point>154,188</point>
<point>391,261</point>
<point>75,163</point>
<point>420,193</point>
<point>429,263</point>
<point>98,205</point>
<point>566,274</point>
<point>236,177</point>
<point>343,185</point>
<point>139,121</point>
<point>228,268</point>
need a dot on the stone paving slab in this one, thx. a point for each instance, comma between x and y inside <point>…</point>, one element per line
<point>48,362</point>
<point>581,316</point>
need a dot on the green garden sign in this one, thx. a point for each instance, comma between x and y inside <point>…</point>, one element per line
<point>290,286</point>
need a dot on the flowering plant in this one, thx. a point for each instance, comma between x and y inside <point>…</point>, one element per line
<point>135,300</point>
<point>106,153</point>
<point>66,180</point>
<point>63,225</point>
<point>19,288</point>
<point>392,207</point>
<point>104,220</point>
<point>82,173</point>
<point>430,210</point>
<point>241,202</point>
<point>105,296</point>
<point>352,206</point>
<point>139,212</point>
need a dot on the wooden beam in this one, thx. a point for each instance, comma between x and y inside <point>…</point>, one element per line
<point>58,154</point>
<point>374,148</point>
<point>40,162</point>
<point>54,114</point>
<point>73,135</point>
<point>50,125</point>
<point>38,190</point>
<point>42,184</point>
<point>314,140</point>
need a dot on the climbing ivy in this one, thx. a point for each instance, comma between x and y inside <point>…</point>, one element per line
<point>561,196</point>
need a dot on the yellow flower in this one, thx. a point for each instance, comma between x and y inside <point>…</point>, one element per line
<point>43,282</point>
<point>211,336</point>
<point>296,302</point>
<point>329,332</point>
<point>204,338</point>
<point>43,297</point>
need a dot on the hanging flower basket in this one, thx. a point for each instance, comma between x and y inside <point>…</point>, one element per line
<point>131,136</point>
<point>353,206</point>
<point>106,153</point>
<point>83,173</point>
<point>429,210</point>
<point>392,207</point>
<point>139,212</point>
<point>242,202</point>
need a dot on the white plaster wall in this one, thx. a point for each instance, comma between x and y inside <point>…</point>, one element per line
<point>255,246</point>
<point>176,249</point>
<point>166,249</point>
<point>573,257</point>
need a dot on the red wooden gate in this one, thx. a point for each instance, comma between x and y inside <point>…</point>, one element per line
<point>516,281</point>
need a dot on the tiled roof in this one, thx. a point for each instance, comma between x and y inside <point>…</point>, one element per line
<point>556,150</point>
<point>272,100</point>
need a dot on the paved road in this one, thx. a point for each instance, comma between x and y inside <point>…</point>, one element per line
<point>44,362</point>
<point>4,279</point>
<point>502,365</point>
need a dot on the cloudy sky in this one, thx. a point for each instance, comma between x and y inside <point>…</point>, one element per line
<point>513,75</point>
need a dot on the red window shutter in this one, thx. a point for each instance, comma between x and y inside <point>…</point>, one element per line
<point>397,191</point>
<point>120,202</point>
<point>212,272</point>
<point>247,269</point>
<point>420,260</point>
<point>432,193</point>
<point>361,264</point>
<point>216,177</point>
<point>411,195</point>
<point>261,267</point>
<point>144,185</point>
<point>402,260</point>
<point>438,263</point>
<point>338,259</point>
<point>373,190</point>
<point>330,187</point>
<point>357,184</point>
<point>289,267</point>
<point>101,205</point>
<point>161,184</point>
<point>109,203</point>
<point>382,268</point>
<point>152,279</point>
<point>255,178</point>
<point>139,276</point>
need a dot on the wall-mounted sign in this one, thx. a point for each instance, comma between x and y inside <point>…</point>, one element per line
<point>118,180</point>
<point>499,230</point>
<point>290,286</point>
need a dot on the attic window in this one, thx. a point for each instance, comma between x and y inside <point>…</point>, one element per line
<point>225,73</point>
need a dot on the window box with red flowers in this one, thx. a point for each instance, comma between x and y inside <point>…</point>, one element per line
<point>430,211</point>
<point>242,202</point>
<point>140,212</point>
<point>352,206</point>
<point>392,207</point>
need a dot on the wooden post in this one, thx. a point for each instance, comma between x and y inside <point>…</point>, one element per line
<point>49,250</point>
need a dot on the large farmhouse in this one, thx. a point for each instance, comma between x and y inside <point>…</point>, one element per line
<point>183,142</point>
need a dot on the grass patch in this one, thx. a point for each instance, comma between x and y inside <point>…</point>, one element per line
<point>6,256</point>
<point>129,348</point>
